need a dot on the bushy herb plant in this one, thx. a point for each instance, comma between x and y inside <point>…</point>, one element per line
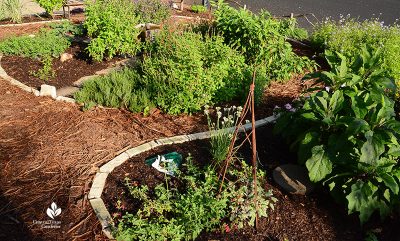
<point>199,9</point>
<point>46,72</point>
<point>50,5</point>
<point>151,11</point>
<point>120,89</point>
<point>262,40</point>
<point>347,135</point>
<point>111,25</point>
<point>169,213</point>
<point>347,36</point>
<point>185,71</point>
<point>45,43</point>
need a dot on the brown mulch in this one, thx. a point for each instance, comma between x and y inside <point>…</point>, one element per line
<point>49,151</point>
<point>21,68</point>
<point>295,217</point>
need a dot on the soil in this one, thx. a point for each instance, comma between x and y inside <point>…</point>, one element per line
<point>67,72</point>
<point>50,151</point>
<point>295,217</point>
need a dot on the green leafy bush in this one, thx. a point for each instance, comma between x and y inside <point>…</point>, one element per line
<point>45,43</point>
<point>170,214</point>
<point>347,36</point>
<point>151,11</point>
<point>11,9</point>
<point>347,134</point>
<point>262,40</point>
<point>185,72</point>
<point>111,25</point>
<point>199,9</point>
<point>46,72</point>
<point>118,89</point>
<point>50,5</point>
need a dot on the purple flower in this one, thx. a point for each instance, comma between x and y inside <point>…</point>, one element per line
<point>288,106</point>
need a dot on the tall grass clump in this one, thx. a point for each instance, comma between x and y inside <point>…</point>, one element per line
<point>11,9</point>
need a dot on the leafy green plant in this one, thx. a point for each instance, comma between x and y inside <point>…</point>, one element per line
<point>168,213</point>
<point>347,36</point>
<point>118,89</point>
<point>199,9</point>
<point>67,28</point>
<point>221,137</point>
<point>347,134</point>
<point>45,43</point>
<point>185,72</point>
<point>262,40</point>
<point>50,5</point>
<point>111,25</point>
<point>151,11</point>
<point>12,9</point>
<point>46,72</point>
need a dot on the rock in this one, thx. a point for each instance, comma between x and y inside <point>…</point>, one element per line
<point>31,35</point>
<point>65,56</point>
<point>82,80</point>
<point>293,179</point>
<point>48,90</point>
<point>67,91</point>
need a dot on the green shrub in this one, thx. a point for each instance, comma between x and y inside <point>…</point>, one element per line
<point>111,25</point>
<point>166,213</point>
<point>11,9</point>
<point>347,135</point>
<point>45,43</point>
<point>262,40</point>
<point>151,11</point>
<point>185,72</point>
<point>46,72</point>
<point>120,89</point>
<point>50,5</point>
<point>347,36</point>
<point>199,9</point>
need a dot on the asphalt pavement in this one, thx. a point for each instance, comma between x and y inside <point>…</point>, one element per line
<point>388,11</point>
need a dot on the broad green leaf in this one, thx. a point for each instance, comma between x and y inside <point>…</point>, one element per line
<point>361,200</point>
<point>371,149</point>
<point>336,101</point>
<point>318,165</point>
<point>390,182</point>
<point>357,126</point>
<point>310,140</point>
<point>394,151</point>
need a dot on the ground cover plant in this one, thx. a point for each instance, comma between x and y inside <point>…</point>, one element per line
<point>347,135</point>
<point>262,40</point>
<point>112,26</point>
<point>199,8</point>
<point>347,36</point>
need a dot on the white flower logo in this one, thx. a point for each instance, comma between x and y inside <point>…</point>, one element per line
<point>53,211</point>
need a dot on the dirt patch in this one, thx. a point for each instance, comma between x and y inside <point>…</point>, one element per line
<point>67,72</point>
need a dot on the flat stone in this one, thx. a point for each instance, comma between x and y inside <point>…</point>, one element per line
<point>65,56</point>
<point>199,136</point>
<point>101,212</point>
<point>118,160</point>
<point>293,179</point>
<point>67,91</point>
<point>98,185</point>
<point>48,90</point>
<point>142,148</point>
<point>65,99</point>
<point>82,80</point>
<point>107,71</point>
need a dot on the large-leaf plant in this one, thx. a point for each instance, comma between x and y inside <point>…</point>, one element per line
<point>347,135</point>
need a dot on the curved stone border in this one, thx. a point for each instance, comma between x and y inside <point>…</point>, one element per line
<point>32,23</point>
<point>48,92</point>
<point>99,180</point>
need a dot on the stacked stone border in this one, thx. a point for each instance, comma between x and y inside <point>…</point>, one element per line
<point>100,178</point>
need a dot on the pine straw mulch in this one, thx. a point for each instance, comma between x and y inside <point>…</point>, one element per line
<point>50,151</point>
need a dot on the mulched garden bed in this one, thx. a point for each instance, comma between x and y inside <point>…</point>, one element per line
<point>312,217</point>
<point>67,72</point>
<point>77,15</point>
